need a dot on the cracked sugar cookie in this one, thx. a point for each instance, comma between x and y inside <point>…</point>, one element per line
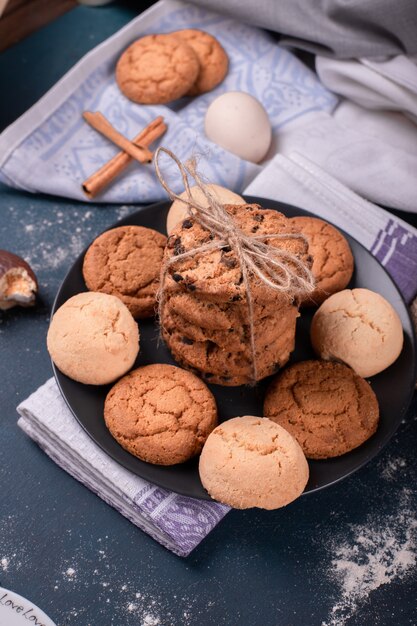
<point>93,338</point>
<point>157,69</point>
<point>333,261</point>
<point>328,408</point>
<point>161,414</point>
<point>360,328</point>
<point>253,462</point>
<point>213,59</point>
<point>126,262</point>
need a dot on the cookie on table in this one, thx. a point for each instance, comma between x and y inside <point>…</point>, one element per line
<point>161,414</point>
<point>326,406</point>
<point>333,261</point>
<point>93,338</point>
<point>252,462</point>
<point>213,59</point>
<point>157,69</point>
<point>126,262</point>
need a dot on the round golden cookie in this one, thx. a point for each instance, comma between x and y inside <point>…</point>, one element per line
<point>126,262</point>
<point>213,59</point>
<point>358,327</point>
<point>252,462</point>
<point>333,261</point>
<point>328,408</point>
<point>157,69</point>
<point>92,338</point>
<point>161,414</point>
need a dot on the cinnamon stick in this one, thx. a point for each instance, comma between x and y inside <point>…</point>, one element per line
<point>103,126</point>
<point>110,170</point>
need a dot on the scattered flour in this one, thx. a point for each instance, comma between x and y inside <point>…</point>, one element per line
<point>70,573</point>
<point>4,564</point>
<point>150,620</point>
<point>123,211</point>
<point>374,554</point>
<point>393,466</point>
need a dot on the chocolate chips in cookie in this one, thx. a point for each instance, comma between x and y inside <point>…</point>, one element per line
<point>205,299</point>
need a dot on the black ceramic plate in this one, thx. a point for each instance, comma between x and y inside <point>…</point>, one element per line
<point>393,387</point>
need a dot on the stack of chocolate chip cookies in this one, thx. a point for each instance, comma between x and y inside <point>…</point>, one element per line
<point>204,312</point>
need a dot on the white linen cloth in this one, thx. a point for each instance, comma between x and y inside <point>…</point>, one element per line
<point>177,522</point>
<point>375,128</point>
<point>388,84</point>
<point>51,149</point>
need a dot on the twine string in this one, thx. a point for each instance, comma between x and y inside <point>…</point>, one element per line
<point>279,269</point>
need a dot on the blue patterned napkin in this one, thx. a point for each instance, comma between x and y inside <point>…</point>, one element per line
<point>51,149</point>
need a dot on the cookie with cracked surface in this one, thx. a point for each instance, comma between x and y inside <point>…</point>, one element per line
<point>93,338</point>
<point>157,69</point>
<point>253,462</point>
<point>213,59</point>
<point>326,406</point>
<point>126,262</point>
<point>333,261</point>
<point>358,327</point>
<point>216,274</point>
<point>161,414</point>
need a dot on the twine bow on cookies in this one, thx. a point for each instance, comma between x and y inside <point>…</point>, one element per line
<point>279,269</point>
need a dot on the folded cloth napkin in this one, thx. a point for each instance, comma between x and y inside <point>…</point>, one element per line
<point>370,140</point>
<point>177,522</point>
<point>389,84</point>
<point>52,149</point>
<point>375,168</point>
<point>333,27</point>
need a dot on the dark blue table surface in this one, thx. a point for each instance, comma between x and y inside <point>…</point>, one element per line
<point>342,556</point>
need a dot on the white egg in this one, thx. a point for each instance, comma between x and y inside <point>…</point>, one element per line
<point>179,210</point>
<point>239,123</point>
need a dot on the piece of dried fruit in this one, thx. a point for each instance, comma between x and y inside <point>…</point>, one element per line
<point>18,284</point>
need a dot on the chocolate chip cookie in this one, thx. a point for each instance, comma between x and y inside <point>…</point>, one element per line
<point>217,274</point>
<point>221,359</point>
